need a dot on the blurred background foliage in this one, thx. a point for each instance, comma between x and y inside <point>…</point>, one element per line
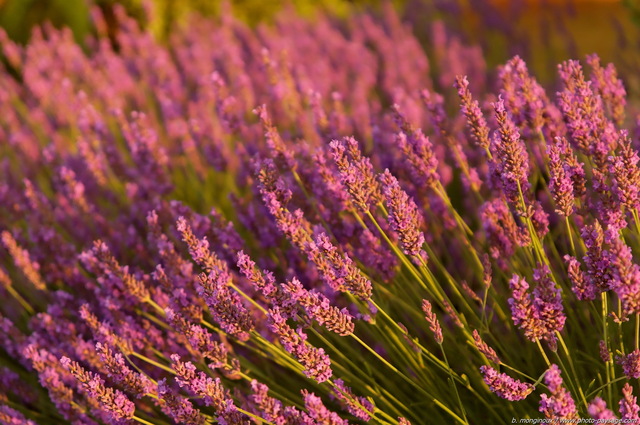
<point>549,30</point>
<point>18,17</point>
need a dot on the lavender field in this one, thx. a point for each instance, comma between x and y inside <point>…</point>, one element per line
<point>318,222</point>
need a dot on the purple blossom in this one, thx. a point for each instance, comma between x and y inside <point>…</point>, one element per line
<point>434,324</point>
<point>626,174</point>
<point>606,82</point>
<point>113,402</point>
<point>511,156</point>
<point>339,271</point>
<point>315,361</point>
<point>628,405</point>
<point>484,348</point>
<point>9,416</point>
<point>630,364</point>
<point>319,308</point>
<point>505,386</point>
<point>360,407</point>
<point>177,407</point>
<point>598,409</point>
<point>471,109</point>
<point>319,412</point>
<point>356,173</point>
<point>23,261</point>
<point>540,313</point>
<point>404,218</point>
<point>560,404</point>
<point>560,184</point>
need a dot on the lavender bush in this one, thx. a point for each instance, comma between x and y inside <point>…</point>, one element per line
<point>298,225</point>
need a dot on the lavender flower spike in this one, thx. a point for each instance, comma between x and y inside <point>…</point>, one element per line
<point>23,261</point>
<point>471,109</point>
<point>512,157</point>
<point>505,386</point>
<point>113,402</point>
<point>356,173</point>
<point>434,324</point>
<point>629,408</point>
<point>560,404</point>
<point>404,218</point>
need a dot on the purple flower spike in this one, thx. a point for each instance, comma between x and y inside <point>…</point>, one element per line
<point>113,402</point>
<point>560,404</point>
<point>484,348</point>
<point>629,408</point>
<point>319,412</point>
<point>630,364</point>
<point>9,416</point>
<point>315,361</point>
<point>540,313</point>
<point>560,184</point>
<point>598,409</point>
<point>359,407</point>
<point>511,156</point>
<point>471,109</point>
<point>505,386</point>
<point>404,218</point>
<point>356,173</point>
<point>434,324</point>
<point>23,261</point>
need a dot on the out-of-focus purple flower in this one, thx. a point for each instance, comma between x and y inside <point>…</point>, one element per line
<point>584,115</point>
<point>418,152</point>
<point>101,256</point>
<point>275,143</point>
<point>9,416</point>
<point>560,404</point>
<point>630,364</point>
<point>360,407</point>
<point>629,408</point>
<point>606,82</point>
<point>434,324</point>
<point>598,409</point>
<point>23,261</point>
<point>484,348</point>
<point>626,274</point>
<point>605,354</point>
<point>626,174</point>
<point>524,97</point>
<point>505,386</point>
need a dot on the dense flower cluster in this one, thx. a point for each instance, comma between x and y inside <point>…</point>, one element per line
<point>297,225</point>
